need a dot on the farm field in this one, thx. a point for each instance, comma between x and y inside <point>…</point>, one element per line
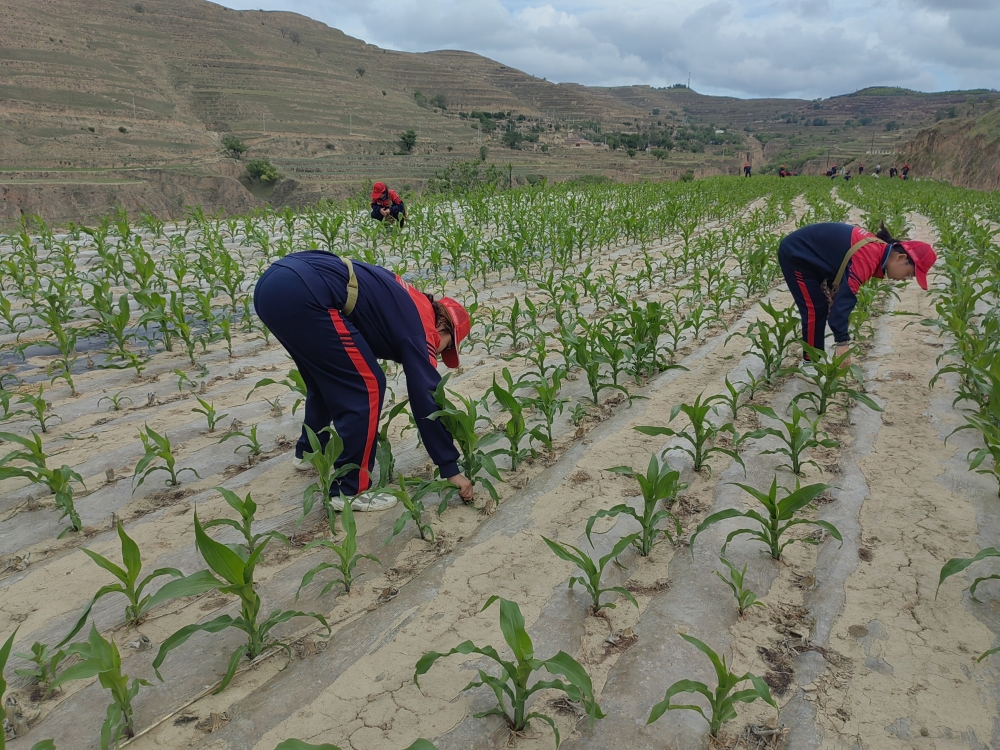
<point>137,381</point>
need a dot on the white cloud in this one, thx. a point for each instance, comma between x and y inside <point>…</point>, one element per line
<point>803,48</point>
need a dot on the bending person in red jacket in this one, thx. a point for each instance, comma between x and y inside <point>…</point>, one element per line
<point>305,299</point>
<point>386,204</point>
<point>811,258</point>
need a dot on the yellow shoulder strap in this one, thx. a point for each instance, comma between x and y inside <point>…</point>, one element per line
<point>854,248</point>
<point>352,287</point>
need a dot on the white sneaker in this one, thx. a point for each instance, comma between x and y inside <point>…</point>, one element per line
<point>300,464</point>
<point>806,370</point>
<point>366,503</point>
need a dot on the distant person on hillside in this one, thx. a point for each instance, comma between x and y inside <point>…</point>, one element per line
<point>337,319</point>
<point>861,169</point>
<point>878,169</point>
<point>386,204</point>
<point>746,169</point>
<point>893,172</point>
<point>825,265</point>
<point>847,174</point>
<point>906,171</point>
<point>782,172</point>
<point>832,172</point>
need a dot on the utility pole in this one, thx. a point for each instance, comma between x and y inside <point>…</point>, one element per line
<point>689,80</point>
<point>479,132</point>
<point>873,141</point>
<point>264,120</point>
<point>350,124</point>
<point>133,110</point>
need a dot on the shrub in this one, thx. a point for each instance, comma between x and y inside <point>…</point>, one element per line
<point>361,72</point>
<point>892,125</point>
<point>687,176</point>
<point>261,170</point>
<point>483,152</point>
<point>439,101</point>
<point>234,146</point>
<point>122,129</point>
<point>407,140</point>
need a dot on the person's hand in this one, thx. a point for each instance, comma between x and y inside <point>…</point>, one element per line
<point>465,487</point>
<point>843,349</point>
<point>385,211</point>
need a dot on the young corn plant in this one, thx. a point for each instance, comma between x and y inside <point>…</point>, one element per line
<point>989,428</point>
<point>116,400</point>
<point>158,447</point>
<point>383,447</point>
<point>252,444</point>
<point>722,701</point>
<point>829,375</point>
<point>956,565</point>
<point>516,429</point>
<point>39,408</point>
<point>780,517</point>
<point>45,663</point>
<point>247,510</point>
<point>100,658</point>
<point>593,570</point>
<point>799,435</point>
<point>546,400</point>
<point>133,588</point>
<point>347,555</point>
<point>511,687</point>
<point>293,382</point>
<point>461,423</point>
<point>413,505</point>
<point>771,341</point>
<point>208,409</point>
<point>324,459</point>
<point>745,598</point>
<point>59,481</point>
<point>659,484</point>
<point>234,573</point>
<point>702,434</point>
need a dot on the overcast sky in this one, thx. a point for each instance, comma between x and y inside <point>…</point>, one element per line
<point>748,48</point>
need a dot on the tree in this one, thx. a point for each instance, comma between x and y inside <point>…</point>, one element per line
<point>407,140</point>
<point>483,151</point>
<point>439,101</point>
<point>511,138</point>
<point>261,170</point>
<point>361,72</point>
<point>234,146</point>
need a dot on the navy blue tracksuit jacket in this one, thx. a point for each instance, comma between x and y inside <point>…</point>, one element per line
<point>299,298</point>
<point>811,256</point>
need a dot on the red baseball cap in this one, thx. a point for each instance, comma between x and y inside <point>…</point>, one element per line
<point>461,324</point>
<point>378,189</point>
<point>923,257</point>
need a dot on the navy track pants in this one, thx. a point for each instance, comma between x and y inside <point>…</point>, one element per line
<point>807,291</point>
<point>344,383</point>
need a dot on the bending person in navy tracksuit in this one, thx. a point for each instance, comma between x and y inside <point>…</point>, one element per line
<point>825,265</point>
<point>336,333</point>
<point>386,204</point>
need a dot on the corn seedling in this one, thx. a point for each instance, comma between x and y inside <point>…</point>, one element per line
<point>39,408</point>
<point>208,409</point>
<point>546,400</point>
<point>722,701</point>
<point>958,564</point>
<point>157,446</point>
<point>771,342</point>
<point>254,446</point>
<point>512,684</point>
<point>593,570</point>
<point>515,430</point>
<point>100,658</point>
<point>745,598</point>
<point>829,374</point>
<point>59,481</point>
<point>347,555</point>
<point>799,435</point>
<point>702,434</point>
<point>133,589</point>
<point>183,379</point>
<point>413,505</point>
<point>780,517</point>
<point>45,663</point>
<point>293,382</point>
<point>234,574</point>
<point>116,400</point>
<point>989,428</point>
<point>659,484</point>
<point>461,423</point>
<point>733,397</point>
<point>247,510</point>
<point>324,459</point>
<point>383,447</point>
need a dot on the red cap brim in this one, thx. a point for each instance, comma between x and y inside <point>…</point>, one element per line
<point>450,357</point>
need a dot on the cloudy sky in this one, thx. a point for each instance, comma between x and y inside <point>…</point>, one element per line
<point>748,48</point>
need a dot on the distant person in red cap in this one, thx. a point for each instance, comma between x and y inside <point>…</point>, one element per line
<point>825,265</point>
<point>746,169</point>
<point>337,318</point>
<point>386,204</point>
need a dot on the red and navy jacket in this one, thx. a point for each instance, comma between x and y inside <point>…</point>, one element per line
<point>397,321</point>
<point>818,250</point>
<point>389,199</point>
